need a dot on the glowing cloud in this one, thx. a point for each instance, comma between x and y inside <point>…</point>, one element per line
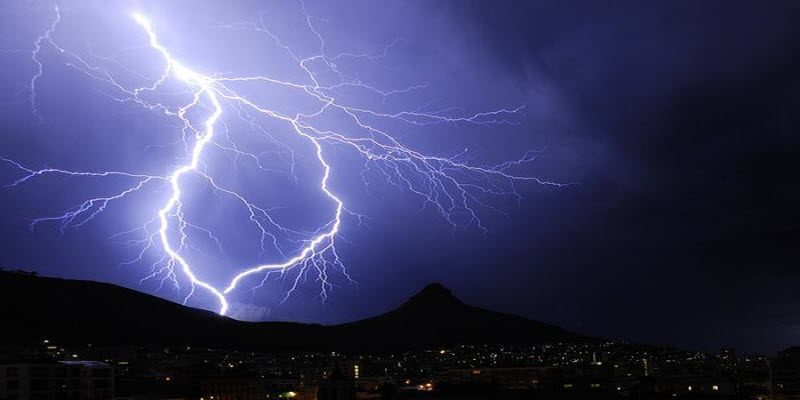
<point>453,187</point>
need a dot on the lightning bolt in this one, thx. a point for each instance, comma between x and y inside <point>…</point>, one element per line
<point>452,185</point>
<point>37,48</point>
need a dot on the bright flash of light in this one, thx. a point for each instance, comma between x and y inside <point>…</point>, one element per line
<point>451,185</point>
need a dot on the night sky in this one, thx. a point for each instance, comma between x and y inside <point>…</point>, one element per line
<point>678,122</point>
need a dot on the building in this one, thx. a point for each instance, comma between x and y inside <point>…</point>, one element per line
<point>506,378</point>
<point>62,380</point>
<point>696,385</point>
<point>232,388</point>
<point>337,386</point>
<point>785,375</point>
<point>727,358</point>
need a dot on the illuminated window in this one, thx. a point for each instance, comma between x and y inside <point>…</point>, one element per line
<point>715,387</point>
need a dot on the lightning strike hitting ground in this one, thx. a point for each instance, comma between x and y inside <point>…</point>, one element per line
<point>451,185</point>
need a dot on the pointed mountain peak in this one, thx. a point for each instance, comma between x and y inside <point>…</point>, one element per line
<point>435,288</point>
<point>433,294</point>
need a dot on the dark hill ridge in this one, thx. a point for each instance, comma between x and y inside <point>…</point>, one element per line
<point>73,311</point>
<point>434,316</point>
<point>435,294</point>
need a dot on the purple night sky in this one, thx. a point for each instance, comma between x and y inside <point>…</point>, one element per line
<point>677,122</point>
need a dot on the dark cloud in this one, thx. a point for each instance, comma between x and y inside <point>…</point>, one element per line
<point>689,217</point>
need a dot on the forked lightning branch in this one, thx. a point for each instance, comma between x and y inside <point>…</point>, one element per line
<point>455,188</point>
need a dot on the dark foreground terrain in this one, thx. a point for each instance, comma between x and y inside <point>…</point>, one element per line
<point>73,311</point>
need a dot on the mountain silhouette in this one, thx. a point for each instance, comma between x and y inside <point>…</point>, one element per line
<point>82,312</point>
<point>435,317</point>
<point>433,295</point>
